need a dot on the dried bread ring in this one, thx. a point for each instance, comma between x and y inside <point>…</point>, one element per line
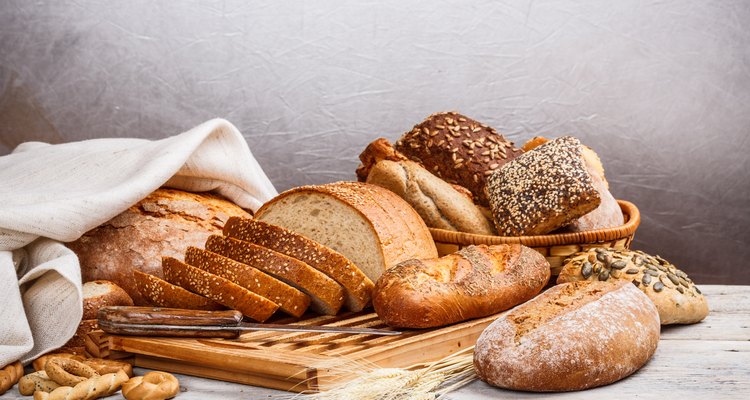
<point>9,375</point>
<point>89,389</point>
<point>102,366</point>
<point>40,362</point>
<point>68,372</point>
<point>36,382</point>
<point>155,385</point>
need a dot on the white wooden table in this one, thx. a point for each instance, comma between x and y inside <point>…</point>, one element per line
<point>709,360</point>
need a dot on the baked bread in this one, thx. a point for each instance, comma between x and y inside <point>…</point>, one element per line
<point>574,336</point>
<point>98,294</point>
<point>218,289</point>
<point>10,375</point>
<point>676,297</point>
<point>326,295</point>
<point>367,224</point>
<point>164,223</point>
<point>458,149</point>
<point>592,160</point>
<point>289,299</point>
<point>357,286</point>
<point>474,282</point>
<point>77,344</point>
<point>161,293</point>
<point>542,190</point>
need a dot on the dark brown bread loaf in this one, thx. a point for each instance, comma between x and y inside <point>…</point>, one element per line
<point>458,149</point>
<point>218,289</point>
<point>573,336</point>
<point>542,190</point>
<point>357,285</point>
<point>474,282</point>
<point>161,293</point>
<point>289,299</point>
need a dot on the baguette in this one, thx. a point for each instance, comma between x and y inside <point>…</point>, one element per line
<point>357,285</point>
<point>289,299</point>
<point>326,295</point>
<point>161,293</point>
<point>218,289</point>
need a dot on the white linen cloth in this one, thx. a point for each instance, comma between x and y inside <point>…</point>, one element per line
<point>55,193</point>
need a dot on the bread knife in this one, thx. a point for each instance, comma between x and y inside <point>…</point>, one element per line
<point>175,322</point>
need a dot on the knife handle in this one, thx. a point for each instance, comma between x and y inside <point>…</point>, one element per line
<point>118,320</point>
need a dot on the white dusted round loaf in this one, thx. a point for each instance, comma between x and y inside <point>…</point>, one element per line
<point>574,336</point>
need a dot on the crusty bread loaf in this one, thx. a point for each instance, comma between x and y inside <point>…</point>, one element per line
<point>289,299</point>
<point>573,336</point>
<point>164,223</point>
<point>161,293</point>
<point>474,282</point>
<point>326,295</point>
<point>676,297</point>
<point>593,162</point>
<point>77,344</point>
<point>218,289</point>
<point>542,190</point>
<point>356,284</point>
<point>98,294</point>
<point>369,225</point>
<point>458,149</point>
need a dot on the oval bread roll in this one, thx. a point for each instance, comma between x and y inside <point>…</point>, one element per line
<point>574,336</point>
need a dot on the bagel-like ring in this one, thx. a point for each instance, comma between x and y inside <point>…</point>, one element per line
<point>102,366</point>
<point>155,385</point>
<point>36,382</point>
<point>9,375</point>
<point>40,362</point>
<point>68,372</point>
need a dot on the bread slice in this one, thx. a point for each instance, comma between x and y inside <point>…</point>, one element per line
<point>369,225</point>
<point>289,299</point>
<point>98,294</point>
<point>161,293</point>
<point>357,285</point>
<point>218,289</point>
<point>326,295</point>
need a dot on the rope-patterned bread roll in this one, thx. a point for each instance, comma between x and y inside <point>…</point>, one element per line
<point>68,372</point>
<point>36,381</point>
<point>9,375</point>
<point>155,385</point>
<point>102,366</point>
<point>92,388</point>
<point>40,362</point>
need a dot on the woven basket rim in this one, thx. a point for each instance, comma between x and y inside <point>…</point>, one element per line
<point>630,213</point>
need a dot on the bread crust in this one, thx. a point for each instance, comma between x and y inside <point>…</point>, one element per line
<point>574,336</point>
<point>164,223</point>
<point>115,296</point>
<point>161,293</point>
<point>474,282</point>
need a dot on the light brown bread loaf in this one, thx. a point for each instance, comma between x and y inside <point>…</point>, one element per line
<point>218,289</point>
<point>676,297</point>
<point>160,293</point>
<point>474,282</point>
<point>98,294</point>
<point>326,295</point>
<point>369,225</point>
<point>289,299</point>
<point>356,284</point>
<point>574,336</point>
<point>164,223</point>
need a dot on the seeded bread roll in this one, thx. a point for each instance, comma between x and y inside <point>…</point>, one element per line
<point>161,293</point>
<point>98,294</point>
<point>542,190</point>
<point>356,284</point>
<point>574,336</point>
<point>218,289</point>
<point>459,150</point>
<point>289,299</point>
<point>474,282</point>
<point>676,297</point>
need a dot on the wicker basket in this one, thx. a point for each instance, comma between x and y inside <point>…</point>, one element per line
<point>555,247</point>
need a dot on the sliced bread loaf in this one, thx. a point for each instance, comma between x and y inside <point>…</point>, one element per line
<point>326,295</point>
<point>356,284</point>
<point>289,299</point>
<point>98,294</point>
<point>369,225</point>
<point>218,289</point>
<point>161,293</point>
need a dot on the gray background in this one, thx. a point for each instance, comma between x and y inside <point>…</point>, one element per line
<point>660,91</point>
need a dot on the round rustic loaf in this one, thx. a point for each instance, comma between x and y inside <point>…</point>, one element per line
<point>165,223</point>
<point>98,294</point>
<point>675,295</point>
<point>574,336</point>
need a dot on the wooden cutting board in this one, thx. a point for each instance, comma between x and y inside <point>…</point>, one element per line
<point>296,362</point>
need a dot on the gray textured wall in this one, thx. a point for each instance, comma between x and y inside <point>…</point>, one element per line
<point>660,91</point>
